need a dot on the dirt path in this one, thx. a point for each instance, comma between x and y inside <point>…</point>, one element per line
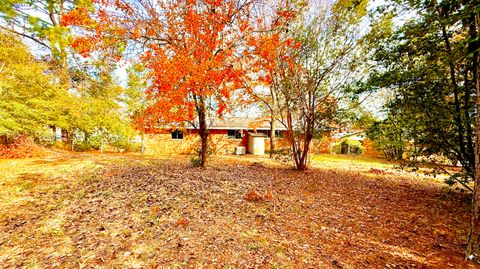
<point>165,213</point>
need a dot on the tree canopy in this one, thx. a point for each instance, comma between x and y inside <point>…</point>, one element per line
<point>32,99</point>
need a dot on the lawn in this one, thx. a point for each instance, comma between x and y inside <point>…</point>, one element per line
<point>112,210</point>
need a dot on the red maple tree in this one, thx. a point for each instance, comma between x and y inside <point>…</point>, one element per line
<point>195,50</point>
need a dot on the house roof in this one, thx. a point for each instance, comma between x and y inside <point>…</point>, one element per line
<point>359,135</point>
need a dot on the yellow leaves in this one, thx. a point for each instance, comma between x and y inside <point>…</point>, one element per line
<point>351,11</point>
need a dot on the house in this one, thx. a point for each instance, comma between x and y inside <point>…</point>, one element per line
<point>225,135</point>
<point>354,135</point>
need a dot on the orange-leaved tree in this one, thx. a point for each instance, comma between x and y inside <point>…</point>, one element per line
<point>272,49</point>
<point>195,52</point>
<point>309,64</point>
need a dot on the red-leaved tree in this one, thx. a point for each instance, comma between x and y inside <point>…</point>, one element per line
<point>195,51</point>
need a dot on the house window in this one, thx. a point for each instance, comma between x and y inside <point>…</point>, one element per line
<point>278,133</point>
<point>234,134</point>
<point>177,134</point>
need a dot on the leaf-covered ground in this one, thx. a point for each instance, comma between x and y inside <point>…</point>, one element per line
<point>129,211</point>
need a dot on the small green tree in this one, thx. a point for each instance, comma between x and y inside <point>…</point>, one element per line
<point>100,114</point>
<point>348,146</point>
<point>388,137</point>
<point>31,98</point>
<point>135,99</point>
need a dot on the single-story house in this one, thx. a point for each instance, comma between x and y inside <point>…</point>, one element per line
<point>225,135</point>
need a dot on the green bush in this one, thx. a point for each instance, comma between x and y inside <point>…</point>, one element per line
<point>83,146</point>
<point>59,144</point>
<point>283,155</point>
<point>127,146</point>
<point>347,146</point>
<point>195,161</point>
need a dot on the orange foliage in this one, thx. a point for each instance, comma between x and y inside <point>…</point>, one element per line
<point>194,50</point>
<point>268,196</point>
<point>272,49</point>
<point>253,196</point>
<point>22,147</point>
<point>181,222</point>
<point>370,150</point>
<point>154,209</point>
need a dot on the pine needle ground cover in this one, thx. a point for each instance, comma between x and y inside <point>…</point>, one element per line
<point>130,211</point>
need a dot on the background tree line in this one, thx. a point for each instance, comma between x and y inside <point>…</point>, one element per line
<point>426,54</point>
<point>55,88</point>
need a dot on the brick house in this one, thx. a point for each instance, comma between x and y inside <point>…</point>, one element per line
<point>225,135</point>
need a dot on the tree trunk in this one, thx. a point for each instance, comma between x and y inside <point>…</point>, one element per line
<point>303,161</point>
<point>202,131</point>
<point>272,119</point>
<point>292,139</point>
<point>54,130</point>
<point>306,147</point>
<point>300,154</point>
<point>473,248</point>
<point>142,143</point>
<point>65,136</point>
<point>272,135</point>
<point>204,148</point>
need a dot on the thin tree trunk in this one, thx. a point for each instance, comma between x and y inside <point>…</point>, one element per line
<point>466,112</point>
<point>202,131</point>
<point>65,136</point>
<point>306,144</point>
<point>272,120</point>
<point>272,135</point>
<point>142,143</point>
<point>291,138</point>
<point>473,248</point>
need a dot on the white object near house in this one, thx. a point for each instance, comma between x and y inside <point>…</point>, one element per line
<point>58,133</point>
<point>256,143</point>
<point>239,150</point>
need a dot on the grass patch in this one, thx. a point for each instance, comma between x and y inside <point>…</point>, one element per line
<point>348,162</point>
<point>23,185</point>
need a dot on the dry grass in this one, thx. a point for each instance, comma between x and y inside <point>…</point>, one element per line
<point>103,211</point>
